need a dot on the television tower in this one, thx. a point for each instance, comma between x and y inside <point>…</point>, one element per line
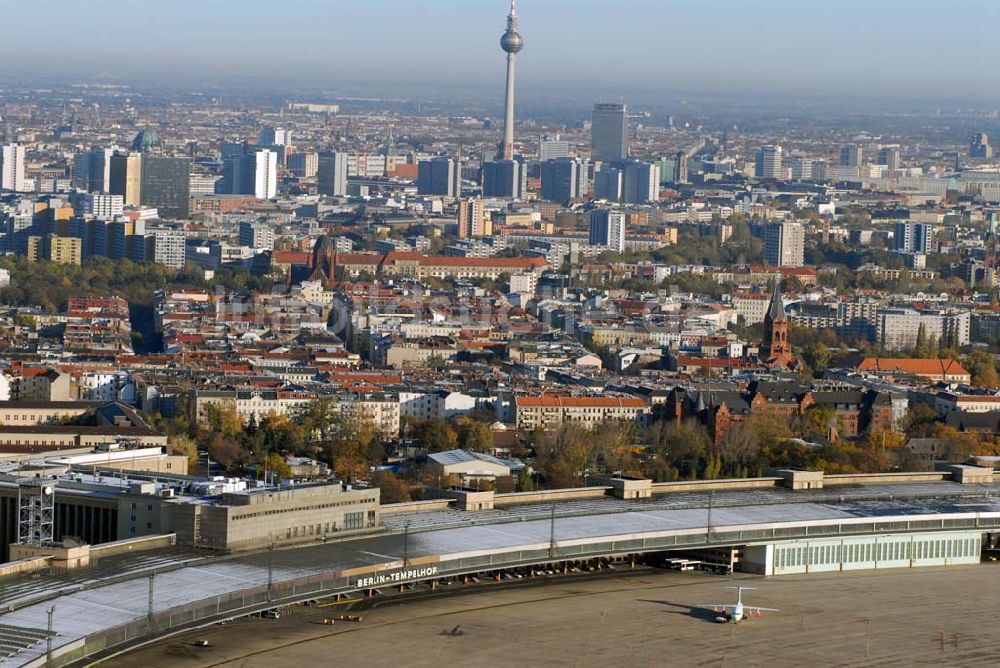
<point>511,43</point>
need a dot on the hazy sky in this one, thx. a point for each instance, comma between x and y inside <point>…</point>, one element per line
<point>909,48</point>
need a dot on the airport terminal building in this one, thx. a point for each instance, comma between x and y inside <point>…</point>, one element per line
<point>785,522</point>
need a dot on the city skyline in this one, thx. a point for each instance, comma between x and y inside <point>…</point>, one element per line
<point>772,47</point>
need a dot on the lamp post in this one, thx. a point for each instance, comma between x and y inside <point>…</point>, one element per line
<point>270,571</point>
<point>708,529</point>
<point>48,638</point>
<point>406,544</point>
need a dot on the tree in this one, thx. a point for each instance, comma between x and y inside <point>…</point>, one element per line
<point>919,419</point>
<point>474,435</point>
<point>921,349</point>
<point>563,455</point>
<point>436,435</point>
<point>225,451</point>
<point>817,356</point>
<point>740,448</point>
<point>983,369</point>
<point>278,468</point>
<point>182,444</point>
<point>678,446</point>
<point>223,419</point>
<point>392,489</point>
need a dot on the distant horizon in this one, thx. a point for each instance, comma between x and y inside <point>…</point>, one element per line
<point>892,51</point>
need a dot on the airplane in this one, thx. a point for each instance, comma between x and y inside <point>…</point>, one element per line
<point>736,612</point>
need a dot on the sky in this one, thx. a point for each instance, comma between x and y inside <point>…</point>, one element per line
<point>881,48</point>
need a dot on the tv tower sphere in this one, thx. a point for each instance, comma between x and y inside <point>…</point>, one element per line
<point>512,42</point>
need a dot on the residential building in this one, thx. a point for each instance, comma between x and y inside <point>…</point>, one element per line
<point>100,206</point>
<point>548,412</point>
<point>607,228</point>
<point>12,175</point>
<point>912,237</point>
<point>784,244</point>
<point>331,174</point>
<point>257,235</point>
<point>900,328</point>
<point>472,221</point>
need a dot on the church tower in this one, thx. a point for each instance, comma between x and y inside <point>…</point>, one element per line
<point>777,350</point>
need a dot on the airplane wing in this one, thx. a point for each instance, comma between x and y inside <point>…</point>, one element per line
<point>759,609</point>
<point>713,606</point>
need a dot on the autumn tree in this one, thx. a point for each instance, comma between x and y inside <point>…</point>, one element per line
<point>679,447</point>
<point>436,435</point>
<point>392,490</point>
<point>277,468</point>
<point>473,435</point>
<point>564,454</point>
<point>983,368</point>
<point>182,444</point>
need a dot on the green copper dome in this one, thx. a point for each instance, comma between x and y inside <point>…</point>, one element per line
<point>147,140</point>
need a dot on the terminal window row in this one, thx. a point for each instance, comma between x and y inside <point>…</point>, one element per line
<point>883,551</point>
<point>298,509</point>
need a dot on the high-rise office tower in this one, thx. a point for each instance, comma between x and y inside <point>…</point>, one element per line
<point>437,177</point>
<point>166,185</point>
<point>512,43</point>
<point>608,182</point>
<point>12,168</point>
<point>92,170</point>
<point>980,146</point>
<point>680,167</point>
<point>331,174</point>
<point>784,245</point>
<point>640,182</point>
<point>608,133</point>
<point>255,172</point>
<point>504,178</point>
<point>125,177</point>
<point>561,180</point>
<point>912,237</point>
<point>768,164</point>
<point>889,156</point>
<point>274,137</point>
<point>551,147</point>
<point>607,228</point>
<point>303,165</point>
<point>851,156</point>
<point>802,169</point>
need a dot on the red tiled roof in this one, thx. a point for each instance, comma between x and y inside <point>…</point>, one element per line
<point>915,366</point>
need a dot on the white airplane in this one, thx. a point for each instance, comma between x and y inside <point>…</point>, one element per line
<point>736,612</point>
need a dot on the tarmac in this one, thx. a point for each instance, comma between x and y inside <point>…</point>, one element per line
<point>898,617</point>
